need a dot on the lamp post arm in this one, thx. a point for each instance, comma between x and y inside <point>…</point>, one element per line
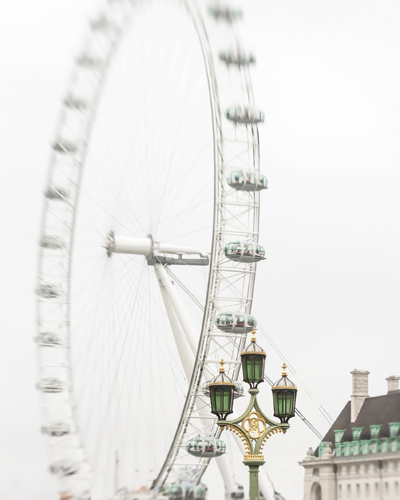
<point>253,446</point>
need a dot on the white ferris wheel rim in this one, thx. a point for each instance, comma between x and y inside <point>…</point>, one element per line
<point>224,229</point>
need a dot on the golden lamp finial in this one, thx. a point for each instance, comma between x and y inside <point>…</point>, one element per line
<point>284,373</point>
<point>222,370</point>
<point>253,333</point>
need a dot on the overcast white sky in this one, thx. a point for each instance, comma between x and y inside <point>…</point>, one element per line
<point>328,80</point>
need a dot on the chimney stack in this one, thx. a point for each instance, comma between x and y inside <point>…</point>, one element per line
<point>393,383</point>
<point>360,392</point>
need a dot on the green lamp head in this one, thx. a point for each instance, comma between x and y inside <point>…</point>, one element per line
<point>253,363</point>
<point>284,394</point>
<point>221,394</point>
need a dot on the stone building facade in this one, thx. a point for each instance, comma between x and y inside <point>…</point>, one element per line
<point>359,457</point>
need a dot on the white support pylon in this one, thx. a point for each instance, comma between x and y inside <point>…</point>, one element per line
<point>173,308</point>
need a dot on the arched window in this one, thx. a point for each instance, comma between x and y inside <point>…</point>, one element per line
<point>316,492</point>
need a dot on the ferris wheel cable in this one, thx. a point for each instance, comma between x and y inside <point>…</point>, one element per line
<point>117,198</point>
<point>308,391</point>
<point>95,315</point>
<point>109,406</point>
<point>194,203</point>
<point>197,231</point>
<point>108,366</point>
<point>186,290</point>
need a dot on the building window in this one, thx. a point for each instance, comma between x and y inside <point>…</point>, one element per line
<point>386,488</point>
<point>348,469</point>
<point>367,490</point>
<point>357,490</point>
<point>315,472</point>
<point>316,492</point>
<point>349,491</point>
<point>339,470</point>
<point>357,469</point>
<point>376,489</point>
<point>357,433</point>
<point>375,431</point>
<point>366,468</point>
<point>340,491</point>
<point>396,488</point>
<point>338,436</point>
<point>394,428</point>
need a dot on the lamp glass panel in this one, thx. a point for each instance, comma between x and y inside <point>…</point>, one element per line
<point>253,368</point>
<point>221,399</point>
<point>284,403</point>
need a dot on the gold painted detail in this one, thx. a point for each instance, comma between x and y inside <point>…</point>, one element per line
<point>253,352</point>
<point>222,383</point>
<point>283,387</point>
<point>253,457</point>
<point>284,373</point>
<point>242,437</point>
<point>254,425</point>
<point>222,369</point>
<point>270,433</point>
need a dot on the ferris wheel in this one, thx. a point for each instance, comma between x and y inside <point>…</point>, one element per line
<point>148,250</point>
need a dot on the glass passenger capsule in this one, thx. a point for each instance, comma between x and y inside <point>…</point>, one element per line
<point>56,193</point>
<point>244,251</point>
<point>49,339</point>
<point>239,492</point>
<point>56,429</point>
<point>236,58</point>
<point>75,103</point>
<point>102,23</point>
<point>65,146</point>
<point>48,291</point>
<point>174,491</point>
<point>52,242</point>
<point>238,392</point>
<point>199,492</point>
<point>225,13</point>
<point>64,467</point>
<point>51,385</point>
<point>244,115</point>
<point>205,446</point>
<point>235,322</point>
<point>247,180</point>
<point>88,61</point>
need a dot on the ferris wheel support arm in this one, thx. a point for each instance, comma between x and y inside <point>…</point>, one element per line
<point>185,353</point>
<point>146,246</point>
<point>189,331</point>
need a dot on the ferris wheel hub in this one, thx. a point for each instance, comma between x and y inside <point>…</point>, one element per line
<point>155,251</point>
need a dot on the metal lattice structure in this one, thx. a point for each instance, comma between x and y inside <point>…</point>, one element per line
<point>231,273</point>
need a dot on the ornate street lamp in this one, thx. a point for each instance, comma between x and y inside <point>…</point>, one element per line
<point>253,427</point>
<point>253,363</point>
<point>284,393</point>
<point>221,394</point>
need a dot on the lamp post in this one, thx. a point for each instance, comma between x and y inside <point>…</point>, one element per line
<point>253,427</point>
